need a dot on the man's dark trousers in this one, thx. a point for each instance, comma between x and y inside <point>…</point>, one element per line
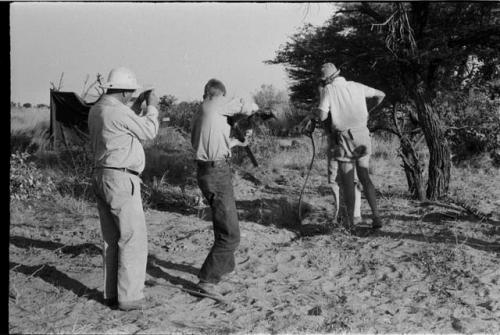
<point>214,180</point>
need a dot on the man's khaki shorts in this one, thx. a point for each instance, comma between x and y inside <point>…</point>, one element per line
<point>350,145</point>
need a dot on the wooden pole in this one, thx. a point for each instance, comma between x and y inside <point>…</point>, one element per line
<point>53,131</point>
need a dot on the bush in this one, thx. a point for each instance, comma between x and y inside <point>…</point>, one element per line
<point>288,115</point>
<point>270,98</point>
<point>75,167</point>
<point>166,102</point>
<point>26,180</point>
<point>29,129</point>
<point>169,157</point>
<point>472,121</point>
<point>181,114</point>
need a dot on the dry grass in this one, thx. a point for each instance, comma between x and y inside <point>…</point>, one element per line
<point>480,187</point>
<point>28,128</point>
<point>170,163</point>
<point>25,119</point>
<point>169,159</point>
<point>325,282</point>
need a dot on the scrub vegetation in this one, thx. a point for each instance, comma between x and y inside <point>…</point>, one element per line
<point>434,267</point>
<point>430,269</point>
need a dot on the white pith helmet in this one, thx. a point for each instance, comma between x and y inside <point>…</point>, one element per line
<point>329,70</point>
<point>121,78</point>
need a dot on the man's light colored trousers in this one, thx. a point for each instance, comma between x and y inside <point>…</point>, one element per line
<point>124,233</point>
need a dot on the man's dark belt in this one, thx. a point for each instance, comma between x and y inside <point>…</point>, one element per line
<point>219,163</point>
<point>135,173</point>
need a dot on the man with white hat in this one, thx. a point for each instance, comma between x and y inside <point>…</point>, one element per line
<point>333,173</point>
<point>343,106</point>
<point>116,132</point>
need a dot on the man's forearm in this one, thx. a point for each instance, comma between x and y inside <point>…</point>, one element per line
<point>145,127</point>
<point>234,142</point>
<point>320,115</point>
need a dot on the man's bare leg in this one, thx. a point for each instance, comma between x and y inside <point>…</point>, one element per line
<point>336,193</point>
<point>357,198</point>
<point>332,167</point>
<point>346,172</point>
<point>362,166</point>
<point>357,201</point>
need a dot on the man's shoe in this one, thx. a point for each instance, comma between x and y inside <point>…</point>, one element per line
<point>132,305</point>
<point>377,223</point>
<point>358,220</point>
<point>111,303</point>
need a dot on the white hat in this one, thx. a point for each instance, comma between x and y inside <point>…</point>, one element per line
<point>328,70</point>
<point>121,78</point>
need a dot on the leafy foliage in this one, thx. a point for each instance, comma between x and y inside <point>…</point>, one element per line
<point>410,51</point>
<point>26,180</point>
<point>181,114</point>
<point>166,102</point>
<point>288,114</point>
<point>362,40</point>
<point>472,121</point>
<point>268,97</point>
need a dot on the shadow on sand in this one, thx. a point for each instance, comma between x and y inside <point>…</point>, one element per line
<point>155,269</point>
<point>283,214</point>
<point>441,237</point>
<point>74,250</point>
<point>55,277</point>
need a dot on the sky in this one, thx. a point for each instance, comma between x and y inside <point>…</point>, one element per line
<point>175,47</point>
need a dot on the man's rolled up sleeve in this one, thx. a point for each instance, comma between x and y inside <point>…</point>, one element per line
<point>368,91</point>
<point>324,104</point>
<point>143,127</point>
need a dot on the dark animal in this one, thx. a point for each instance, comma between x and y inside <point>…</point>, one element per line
<point>240,123</point>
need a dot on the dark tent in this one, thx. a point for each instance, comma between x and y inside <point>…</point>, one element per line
<point>68,117</point>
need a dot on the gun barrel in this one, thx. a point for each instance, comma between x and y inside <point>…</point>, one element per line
<point>251,156</point>
<point>240,136</point>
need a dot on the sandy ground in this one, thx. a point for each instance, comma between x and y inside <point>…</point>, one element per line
<point>429,269</point>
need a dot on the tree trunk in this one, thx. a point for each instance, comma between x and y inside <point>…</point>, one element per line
<point>413,169</point>
<point>439,161</point>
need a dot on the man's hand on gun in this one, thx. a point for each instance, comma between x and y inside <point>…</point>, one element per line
<point>307,125</point>
<point>149,97</point>
<point>237,143</point>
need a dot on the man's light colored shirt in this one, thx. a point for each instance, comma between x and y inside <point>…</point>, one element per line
<point>210,130</point>
<point>116,131</point>
<point>346,101</point>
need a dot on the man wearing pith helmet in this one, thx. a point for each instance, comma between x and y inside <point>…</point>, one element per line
<point>329,72</point>
<point>116,132</point>
<point>344,102</point>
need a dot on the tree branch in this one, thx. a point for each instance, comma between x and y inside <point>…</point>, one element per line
<point>395,120</point>
<point>366,9</point>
